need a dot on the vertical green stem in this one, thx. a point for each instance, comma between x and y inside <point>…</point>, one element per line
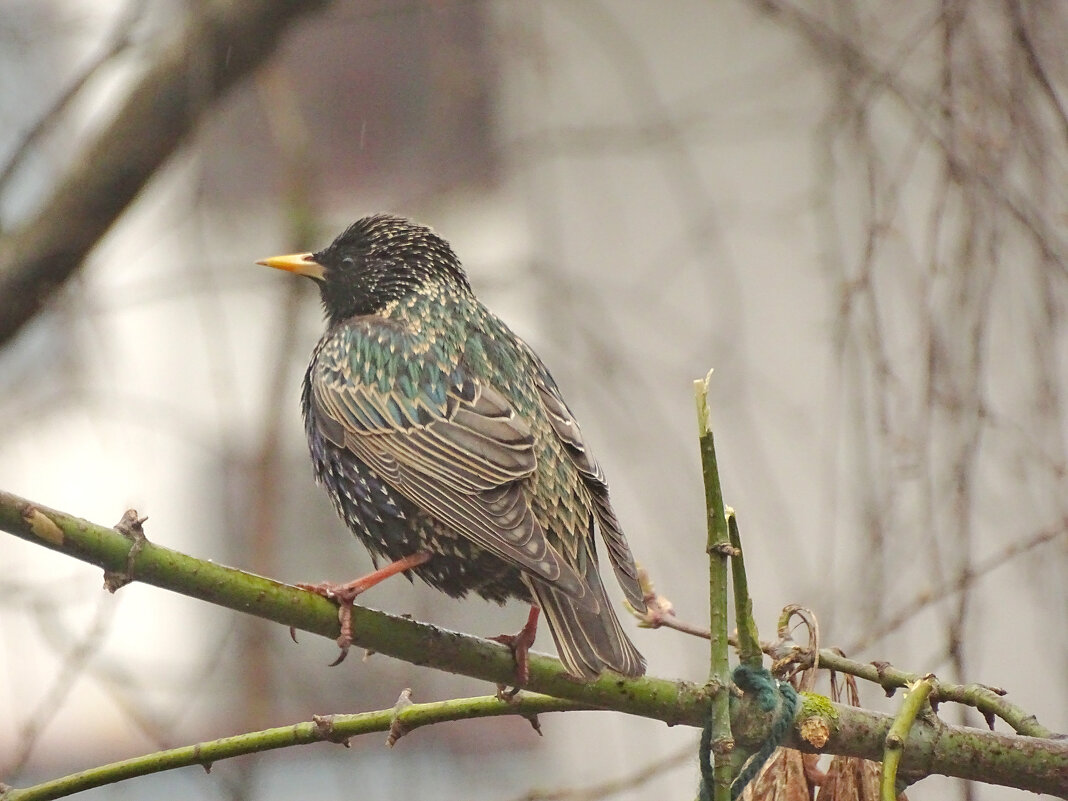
<point>718,549</point>
<point>749,652</point>
<point>894,746</point>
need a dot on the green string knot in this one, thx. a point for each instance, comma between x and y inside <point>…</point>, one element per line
<point>768,694</point>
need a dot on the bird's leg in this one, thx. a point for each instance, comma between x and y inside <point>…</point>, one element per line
<point>520,644</point>
<point>345,595</point>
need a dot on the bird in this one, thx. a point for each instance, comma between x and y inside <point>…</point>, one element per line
<point>447,448</point>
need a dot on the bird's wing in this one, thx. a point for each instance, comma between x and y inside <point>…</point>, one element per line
<point>448,441</point>
<point>567,430</point>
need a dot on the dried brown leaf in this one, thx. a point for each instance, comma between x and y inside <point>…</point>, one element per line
<point>781,779</point>
<point>852,779</point>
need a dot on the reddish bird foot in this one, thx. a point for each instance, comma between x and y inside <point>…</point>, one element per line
<point>345,594</point>
<point>520,644</point>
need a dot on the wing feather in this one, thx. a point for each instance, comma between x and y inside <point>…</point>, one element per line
<point>567,430</point>
<point>461,455</point>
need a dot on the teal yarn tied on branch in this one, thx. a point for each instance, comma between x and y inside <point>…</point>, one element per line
<point>768,694</point>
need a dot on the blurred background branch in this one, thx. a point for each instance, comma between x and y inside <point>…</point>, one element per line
<point>218,47</point>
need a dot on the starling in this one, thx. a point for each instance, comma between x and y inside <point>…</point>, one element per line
<point>446,447</point>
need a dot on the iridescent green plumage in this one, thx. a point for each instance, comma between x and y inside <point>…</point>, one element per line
<point>435,428</point>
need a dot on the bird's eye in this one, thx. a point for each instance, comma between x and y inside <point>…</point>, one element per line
<point>348,263</point>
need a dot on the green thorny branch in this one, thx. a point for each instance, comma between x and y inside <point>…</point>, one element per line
<point>716,737</point>
<point>1030,763</point>
<point>734,766</point>
<point>987,700</point>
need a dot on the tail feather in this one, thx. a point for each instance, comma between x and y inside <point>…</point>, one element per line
<point>588,641</point>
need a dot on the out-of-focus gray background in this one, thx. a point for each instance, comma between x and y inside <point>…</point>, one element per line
<point>854,211</point>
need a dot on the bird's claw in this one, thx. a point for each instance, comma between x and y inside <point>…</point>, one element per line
<point>344,595</point>
<point>520,647</point>
<point>520,644</point>
<point>506,694</point>
<point>344,640</point>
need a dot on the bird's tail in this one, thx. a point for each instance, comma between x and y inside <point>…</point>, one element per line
<point>588,641</point>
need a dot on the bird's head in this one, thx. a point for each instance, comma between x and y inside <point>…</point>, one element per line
<point>376,260</point>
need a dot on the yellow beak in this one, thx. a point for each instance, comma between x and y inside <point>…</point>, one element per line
<point>299,263</point>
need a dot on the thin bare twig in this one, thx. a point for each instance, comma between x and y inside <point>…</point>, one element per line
<point>612,787</point>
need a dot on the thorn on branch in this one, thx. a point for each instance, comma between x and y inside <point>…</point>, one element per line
<point>131,526</point>
<point>206,763</point>
<point>507,694</point>
<point>534,724</point>
<point>324,728</point>
<point>725,549</point>
<point>880,669</point>
<point>396,728</point>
